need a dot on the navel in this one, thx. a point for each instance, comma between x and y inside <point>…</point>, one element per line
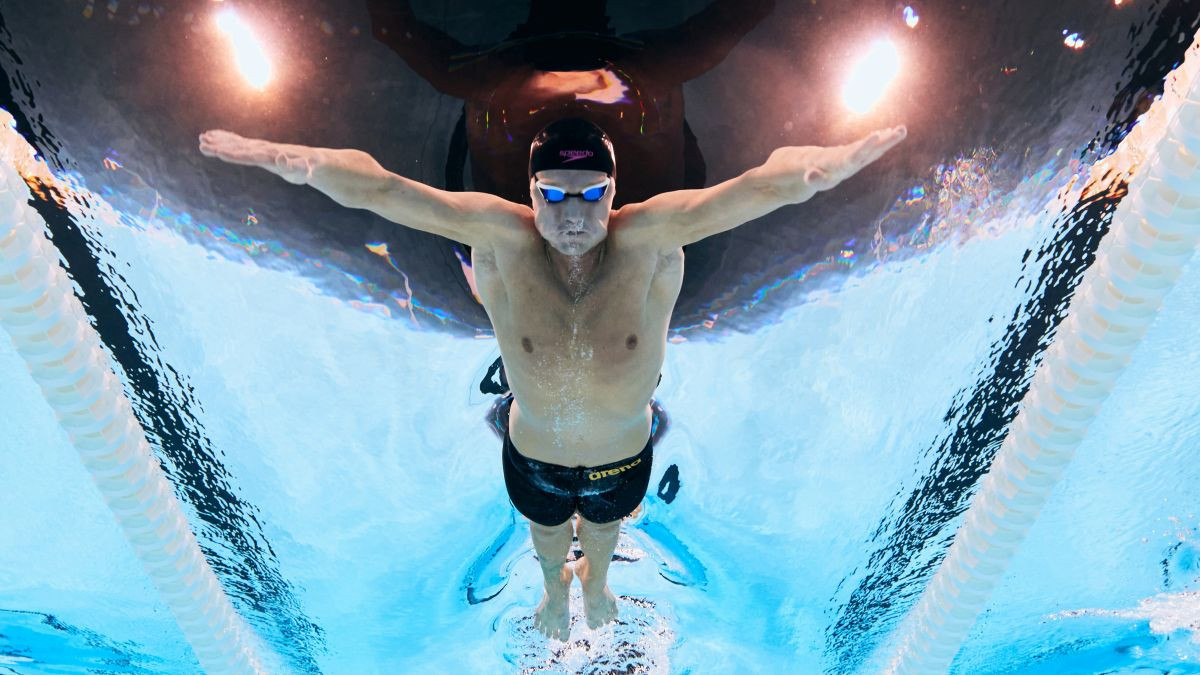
<point>527,345</point>
<point>631,342</point>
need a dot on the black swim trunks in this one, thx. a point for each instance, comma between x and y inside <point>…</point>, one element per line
<point>548,494</point>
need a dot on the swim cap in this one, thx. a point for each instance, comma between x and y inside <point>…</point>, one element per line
<point>572,143</point>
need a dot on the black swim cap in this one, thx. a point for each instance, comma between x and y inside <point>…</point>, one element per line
<point>572,143</point>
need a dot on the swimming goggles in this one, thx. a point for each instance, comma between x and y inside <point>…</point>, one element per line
<point>555,195</point>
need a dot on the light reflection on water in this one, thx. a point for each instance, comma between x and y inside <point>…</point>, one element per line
<point>978,194</point>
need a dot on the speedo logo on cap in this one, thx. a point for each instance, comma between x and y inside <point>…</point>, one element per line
<point>572,155</point>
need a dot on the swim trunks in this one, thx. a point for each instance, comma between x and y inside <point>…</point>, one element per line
<point>548,494</point>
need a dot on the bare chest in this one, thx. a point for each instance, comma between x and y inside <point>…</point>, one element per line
<point>609,337</point>
<point>605,319</point>
<point>583,367</point>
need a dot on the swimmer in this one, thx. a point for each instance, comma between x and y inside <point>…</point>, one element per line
<point>580,296</point>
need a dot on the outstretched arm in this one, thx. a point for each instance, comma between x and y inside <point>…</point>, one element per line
<point>789,176</point>
<point>353,178</point>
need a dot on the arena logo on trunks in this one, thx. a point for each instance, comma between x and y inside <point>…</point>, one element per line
<point>597,475</point>
<point>572,155</point>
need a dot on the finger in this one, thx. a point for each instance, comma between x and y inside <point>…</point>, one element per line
<point>892,137</point>
<point>861,148</point>
<point>221,139</point>
<point>234,149</point>
<point>872,146</point>
<point>876,141</point>
<point>215,142</point>
<point>206,142</point>
<point>219,136</point>
<point>233,155</point>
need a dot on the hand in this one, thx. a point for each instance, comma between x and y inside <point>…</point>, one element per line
<point>293,163</point>
<point>805,171</point>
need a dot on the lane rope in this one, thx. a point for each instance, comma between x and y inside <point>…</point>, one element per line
<point>1153,234</point>
<point>52,333</point>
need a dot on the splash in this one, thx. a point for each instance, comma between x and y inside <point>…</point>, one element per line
<point>637,642</point>
<point>1176,610</point>
<point>1168,614</point>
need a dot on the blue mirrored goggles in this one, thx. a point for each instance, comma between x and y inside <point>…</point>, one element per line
<point>555,195</point>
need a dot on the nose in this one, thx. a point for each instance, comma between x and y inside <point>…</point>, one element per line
<point>573,212</point>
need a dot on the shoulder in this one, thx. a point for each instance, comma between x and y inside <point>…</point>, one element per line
<point>497,221</point>
<point>640,226</point>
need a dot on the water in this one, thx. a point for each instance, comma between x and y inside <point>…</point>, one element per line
<point>335,460</point>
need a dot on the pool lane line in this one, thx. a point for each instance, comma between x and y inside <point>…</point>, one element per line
<point>51,332</point>
<point>1153,235</point>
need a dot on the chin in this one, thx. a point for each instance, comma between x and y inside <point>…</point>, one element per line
<point>573,247</point>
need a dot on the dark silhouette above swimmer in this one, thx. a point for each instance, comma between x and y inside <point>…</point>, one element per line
<point>566,61</point>
<point>566,283</point>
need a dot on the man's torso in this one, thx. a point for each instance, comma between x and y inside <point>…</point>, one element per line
<point>582,372</point>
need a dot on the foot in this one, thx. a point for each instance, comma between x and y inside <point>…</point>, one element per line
<point>553,617</point>
<point>601,608</point>
<point>599,603</point>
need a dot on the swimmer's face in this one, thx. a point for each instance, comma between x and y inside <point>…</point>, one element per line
<point>572,226</point>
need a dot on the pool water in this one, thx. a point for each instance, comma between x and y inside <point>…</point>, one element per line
<point>334,458</point>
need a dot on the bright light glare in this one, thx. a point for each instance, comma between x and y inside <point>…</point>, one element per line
<point>910,17</point>
<point>869,79</point>
<point>248,52</point>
